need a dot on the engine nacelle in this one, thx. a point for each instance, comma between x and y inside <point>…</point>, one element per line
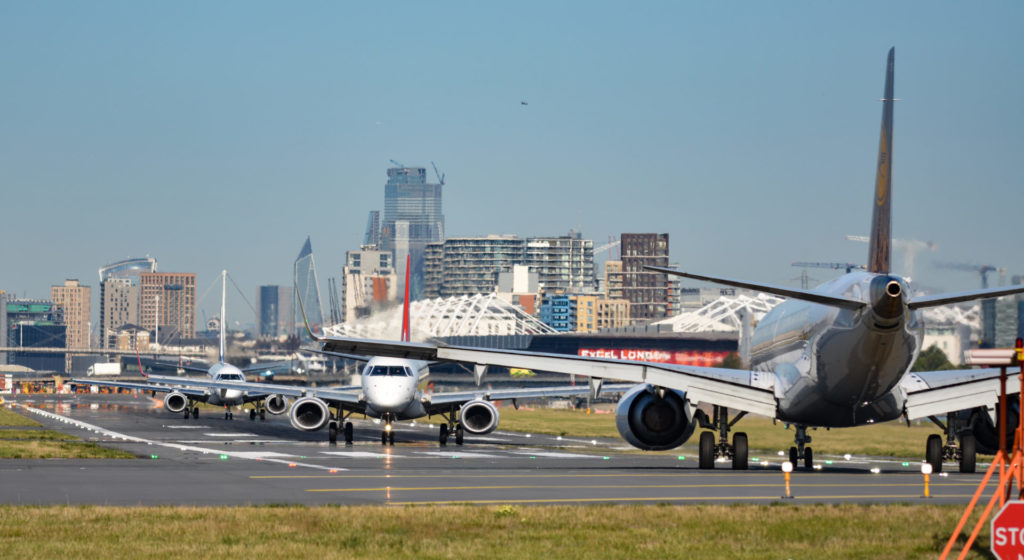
<point>175,401</point>
<point>309,413</point>
<point>654,423</point>
<point>276,404</point>
<point>478,417</point>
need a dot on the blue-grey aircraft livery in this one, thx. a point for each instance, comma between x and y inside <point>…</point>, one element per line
<point>836,356</point>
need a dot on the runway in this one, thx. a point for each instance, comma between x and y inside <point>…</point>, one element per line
<point>213,461</point>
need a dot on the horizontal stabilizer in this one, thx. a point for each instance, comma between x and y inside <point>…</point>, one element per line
<point>783,291</point>
<point>946,299</point>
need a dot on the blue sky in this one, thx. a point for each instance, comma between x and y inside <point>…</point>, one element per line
<point>219,134</point>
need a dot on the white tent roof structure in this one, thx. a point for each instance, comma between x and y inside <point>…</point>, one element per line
<point>478,315</point>
<point>722,314</point>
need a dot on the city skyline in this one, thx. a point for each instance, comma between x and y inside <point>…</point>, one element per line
<point>218,137</point>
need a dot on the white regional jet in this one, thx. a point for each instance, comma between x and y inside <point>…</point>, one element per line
<point>182,398</point>
<point>835,356</point>
<point>391,390</point>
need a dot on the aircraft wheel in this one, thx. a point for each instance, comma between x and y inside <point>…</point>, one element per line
<point>383,438</point>
<point>332,432</point>
<point>252,414</point>
<point>195,412</point>
<point>706,454</point>
<point>739,451</point>
<point>933,452</point>
<point>443,437</point>
<point>348,432</point>
<point>263,414</point>
<point>187,414</point>
<point>794,457</point>
<point>459,434</point>
<point>967,453</point>
<point>391,438</point>
<point>808,459</point>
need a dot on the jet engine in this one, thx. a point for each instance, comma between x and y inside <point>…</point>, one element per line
<point>979,422</point>
<point>479,417</point>
<point>175,401</point>
<point>652,422</point>
<point>276,404</point>
<point>309,413</point>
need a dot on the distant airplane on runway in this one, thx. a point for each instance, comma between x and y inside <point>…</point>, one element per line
<point>392,390</point>
<point>181,398</point>
<point>835,356</point>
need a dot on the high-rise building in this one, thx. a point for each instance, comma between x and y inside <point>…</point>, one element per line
<point>167,301</point>
<point>461,266</point>
<point>369,281</point>
<point>275,315</point>
<point>413,218</point>
<point>119,296</point>
<point>35,323</point>
<point>308,290</point>
<point>1008,318</point>
<point>648,292</point>
<point>76,301</point>
<point>372,236</point>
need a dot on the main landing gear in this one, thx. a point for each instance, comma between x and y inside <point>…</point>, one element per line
<point>262,413</point>
<point>802,450</point>
<point>709,450</point>
<point>332,428</point>
<point>191,410</point>
<point>965,454</point>
<point>451,426</point>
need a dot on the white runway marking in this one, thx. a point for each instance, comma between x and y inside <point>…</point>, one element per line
<point>262,455</point>
<point>203,450</point>
<point>555,455</point>
<point>235,434</point>
<point>192,427</point>
<point>362,454</point>
<point>461,455</point>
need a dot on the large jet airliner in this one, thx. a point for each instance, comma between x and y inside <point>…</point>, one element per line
<point>182,398</point>
<point>391,390</point>
<point>835,356</point>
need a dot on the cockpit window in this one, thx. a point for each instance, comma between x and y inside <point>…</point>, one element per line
<point>230,377</point>
<point>394,371</point>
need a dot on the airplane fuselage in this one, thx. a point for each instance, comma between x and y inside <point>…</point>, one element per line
<point>226,397</point>
<point>836,367</point>
<point>391,388</point>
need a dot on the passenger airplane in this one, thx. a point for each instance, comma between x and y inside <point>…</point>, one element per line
<point>391,390</point>
<point>835,356</point>
<point>181,398</point>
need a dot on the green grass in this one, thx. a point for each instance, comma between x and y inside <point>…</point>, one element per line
<point>889,439</point>
<point>514,532</point>
<point>11,418</point>
<point>46,444</point>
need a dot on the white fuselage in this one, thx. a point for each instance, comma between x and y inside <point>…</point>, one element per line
<point>838,367</point>
<point>391,388</point>
<point>227,397</point>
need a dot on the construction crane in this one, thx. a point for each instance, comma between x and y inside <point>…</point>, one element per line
<point>833,265</point>
<point>982,269</point>
<point>395,163</point>
<point>440,176</point>
<point>332,289</point>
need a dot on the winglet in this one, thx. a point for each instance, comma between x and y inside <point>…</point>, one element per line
<point>880,245</point>
<point>302,309</point>
<point>405,306</point>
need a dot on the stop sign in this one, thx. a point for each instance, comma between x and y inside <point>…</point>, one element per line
<point>1008,531</point>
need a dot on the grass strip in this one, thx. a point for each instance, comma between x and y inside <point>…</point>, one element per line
<point>429,532</point>
<point>10,418</point>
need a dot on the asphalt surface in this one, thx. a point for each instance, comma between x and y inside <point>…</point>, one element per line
<point>213,461</point>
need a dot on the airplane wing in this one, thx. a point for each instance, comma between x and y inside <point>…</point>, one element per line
<point>192,392</point>
<point>933,393</point>
<point>441,402</point>
<point>347,395</point>
<point>737,389</point>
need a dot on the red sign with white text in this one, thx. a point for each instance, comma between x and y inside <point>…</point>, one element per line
<point>680,357</point>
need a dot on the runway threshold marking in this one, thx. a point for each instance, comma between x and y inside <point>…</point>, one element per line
<point>203,450</point>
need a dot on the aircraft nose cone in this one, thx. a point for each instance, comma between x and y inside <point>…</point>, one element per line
<point>385,396</point>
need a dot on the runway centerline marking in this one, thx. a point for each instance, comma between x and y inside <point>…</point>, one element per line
<point>598,486</point>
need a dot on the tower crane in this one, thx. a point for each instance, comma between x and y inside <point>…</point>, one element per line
<point>982,269</point>
<point>832,265</point>
<point>440,176</point>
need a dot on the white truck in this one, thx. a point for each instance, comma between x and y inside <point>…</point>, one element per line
<point>102,368</point>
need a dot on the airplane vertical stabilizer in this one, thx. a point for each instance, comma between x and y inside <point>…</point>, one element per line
<point>223,320</point>
<point>880,245</point>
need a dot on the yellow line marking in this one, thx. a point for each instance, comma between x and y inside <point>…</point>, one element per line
<point>668,499</point>
<point>598,486</point>
<point>592,475</point>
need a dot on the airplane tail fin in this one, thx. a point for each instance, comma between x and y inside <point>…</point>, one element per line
<point>223,320</point>
<point>302,309</point>
<point>405,305</point>
<point>880,245</point>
